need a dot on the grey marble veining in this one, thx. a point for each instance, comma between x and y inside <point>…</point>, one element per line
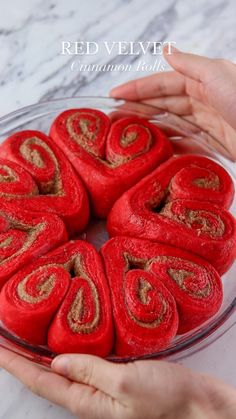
<point>31,32</point>
<point>32,69</point>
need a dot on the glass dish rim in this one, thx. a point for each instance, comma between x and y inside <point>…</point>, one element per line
<point>208,335</point>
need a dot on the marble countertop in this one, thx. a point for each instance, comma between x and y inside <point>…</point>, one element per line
<point>33,69</point>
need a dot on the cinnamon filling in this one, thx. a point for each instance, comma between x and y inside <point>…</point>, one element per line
<point>33,232</point>
<point>133,263</point>
<point>154,323</point>
<point>76,312</point>
<point>143,290</point>
<point>208,183</point>
<point>6,242</point>
<point>83,124</point>
<point>86,136</point>
<point>203,221</point>
<point>178,275</point>
<point>44,289</point>
<point>33,156</point>
<point>8,176</point>
<point>128,139</point>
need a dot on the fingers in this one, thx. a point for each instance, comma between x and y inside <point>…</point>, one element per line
<point>181,105</point>
<point>190,65</point>
<point>187,66</point>
<point>160,84</point>
<point>80,399</point>
<point>190,71</point>
<point>172,83</point>
<point>128,109</point>
<point>43,383</point>
<point>90,370</point>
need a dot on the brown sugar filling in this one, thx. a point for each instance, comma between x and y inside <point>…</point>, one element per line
<point>33,156</point>
<point>154,323</point>
<point>6,242</point>
<point>178,275</point>
<point>77,309</point>
<point>142,292</point>
<point>10,175</point>
<point>83,124</point>
<point>207,183</point>
<point>128,139</point>
<point>125,140</point>
<point>44,289</point>
<point>33,232</point>
<point>196,217</point>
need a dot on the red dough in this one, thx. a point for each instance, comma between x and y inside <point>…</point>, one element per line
<point>144,311</point>
<point>30,299</point>
<point>39,177</point>
<point>198,178</point>
<point>82,323</point>
<point>193,282</point>
<point>146,317</point>
<point>156,289</point>
<point>135,269</point>
<point>109,159</point>
<point>24,236</point>
<point>159,209</point>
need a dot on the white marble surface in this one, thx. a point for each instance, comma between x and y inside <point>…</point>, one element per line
<point>32,69</point>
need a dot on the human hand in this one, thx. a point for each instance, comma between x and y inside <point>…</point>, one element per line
<point>93,388</point>
<point>201,89</point>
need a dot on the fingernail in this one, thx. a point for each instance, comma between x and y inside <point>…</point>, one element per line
<point>61,364</point>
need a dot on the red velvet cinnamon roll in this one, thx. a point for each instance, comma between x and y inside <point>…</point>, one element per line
<point>38,177</point>
<point>181,203</point>
<point>24,236</point>
<point>61,299</point>
<point>140,273</point>
<point>109,158</point>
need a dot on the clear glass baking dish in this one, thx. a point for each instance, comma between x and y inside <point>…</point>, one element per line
<point>186,138</point>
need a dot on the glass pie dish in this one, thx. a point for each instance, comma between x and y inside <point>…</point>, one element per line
<point>186,138</point>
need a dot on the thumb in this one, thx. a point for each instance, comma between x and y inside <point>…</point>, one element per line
<point>90,370</point>
<point>194,66</point>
